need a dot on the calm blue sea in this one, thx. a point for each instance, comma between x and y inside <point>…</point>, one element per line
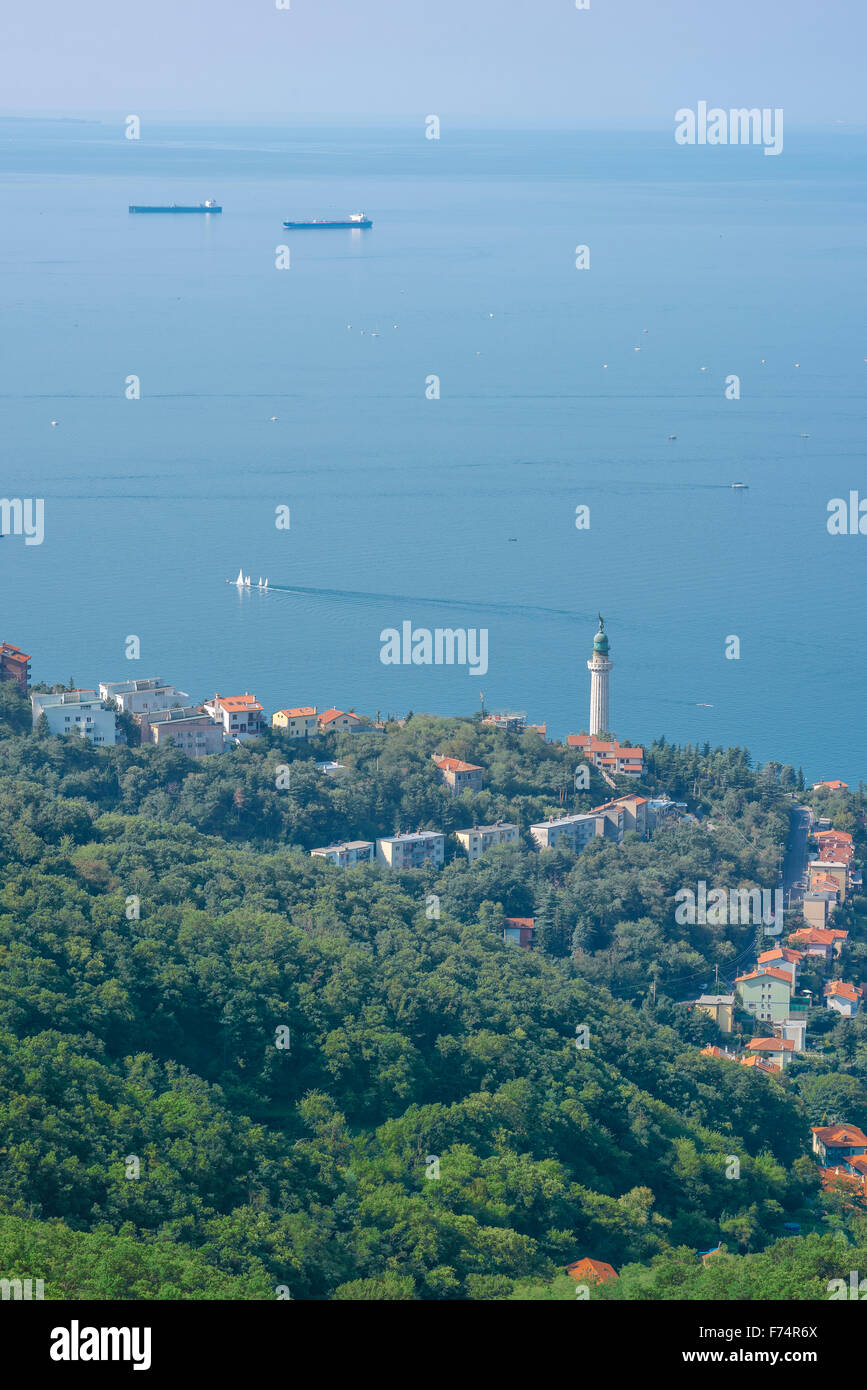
<point>403,507</point>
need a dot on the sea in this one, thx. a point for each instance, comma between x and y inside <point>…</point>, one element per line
<point>428,403</point>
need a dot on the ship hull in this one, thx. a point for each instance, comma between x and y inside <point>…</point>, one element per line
<point>323,226</point>
<point>174,209</point>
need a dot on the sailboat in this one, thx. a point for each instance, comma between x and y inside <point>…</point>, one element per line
<point>247,582</point>
<point>259,585</point>
<point>239,581</point>
<point>265,584</point>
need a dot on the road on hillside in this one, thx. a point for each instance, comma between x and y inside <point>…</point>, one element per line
<point>794,881</point>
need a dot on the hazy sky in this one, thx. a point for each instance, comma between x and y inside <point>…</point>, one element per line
<point>620,63</point>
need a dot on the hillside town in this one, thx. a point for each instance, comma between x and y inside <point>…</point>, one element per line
<point>763,1012</point>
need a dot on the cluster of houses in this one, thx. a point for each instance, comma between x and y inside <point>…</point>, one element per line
<point>842,1152</point>
<point>165,714</point>
<point>770,992</point>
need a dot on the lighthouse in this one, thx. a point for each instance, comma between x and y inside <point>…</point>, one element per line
<point>599,667</point>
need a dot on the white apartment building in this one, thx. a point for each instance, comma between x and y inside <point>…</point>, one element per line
<point>480,838</point>
<point>141,697</point>
<point>570,832</point>
<point>76,712</point>
<point>412,851</point>
<point>346,854</point>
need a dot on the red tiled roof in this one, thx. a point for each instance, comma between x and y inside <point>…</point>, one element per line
<point>520,921</point>
<point>835,786</point>
<point>597,1271</point>
<point>237,703</point>
<point>771,1045</point>
<point>455,765</point>
<point>759,1063</point>
<point>817,936</point>
<point>331,714</point>
<point>302,710</point>
<point>846,991</point>
<point>761,975</point>
<point>781,952</point>
<point>840,1136</point>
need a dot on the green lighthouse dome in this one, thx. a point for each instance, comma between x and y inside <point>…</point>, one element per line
<point>600,641</point>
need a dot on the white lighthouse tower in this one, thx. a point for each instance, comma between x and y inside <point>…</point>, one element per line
<point>599,667</point>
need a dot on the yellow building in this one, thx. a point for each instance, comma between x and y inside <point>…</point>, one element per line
<point>720,1007</point>
<point>297,723</point>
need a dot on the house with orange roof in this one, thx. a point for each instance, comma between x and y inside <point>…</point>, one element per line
<point>759,1064</point>
<point>300,722</point>
<point>520,931</point>
<point>14,666</point>
<point>608,755</point>
<point>241,716</point>
<point>720,1053</point>
<point>834,869</point>
<point>458,775</point>
<point>821,870</point>
<point>838,1143</point>
<point>589,1271</point>
<point>831,786</point>
<point>776,1050</point>
<point>821,942</point>
<point>843,997</point>
<point>849,1184</point>
<point>781,958</point>
<point>339,721</point>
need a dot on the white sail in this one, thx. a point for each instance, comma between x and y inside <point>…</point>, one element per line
<point>259,585</point>
<point>240,578</point>
<point>266,583</point>
<point>247,582</point>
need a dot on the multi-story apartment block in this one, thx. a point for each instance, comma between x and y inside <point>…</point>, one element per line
<point>76,712</point>
<point>766,994</point>
<point>480,838</point>
<point>189,728</point>
<point>346,854</point>
<point>301,722</point>
<point>142,696</point>
<point>412,851</point>
<point>241,716</point>
<point>569,832</point>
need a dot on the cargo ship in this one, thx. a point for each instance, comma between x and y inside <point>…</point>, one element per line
<point>208,206</point>
<point>355,219</point>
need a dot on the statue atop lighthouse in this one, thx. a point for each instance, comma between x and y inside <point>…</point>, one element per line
<point>599,667</point>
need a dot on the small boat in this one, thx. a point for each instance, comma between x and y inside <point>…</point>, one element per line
<point>240,580</point>
<point>247,582</point>
<point>739,484</point>
<point>265,585</point>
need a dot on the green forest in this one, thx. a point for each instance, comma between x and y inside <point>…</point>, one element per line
<point>231,1071</point>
